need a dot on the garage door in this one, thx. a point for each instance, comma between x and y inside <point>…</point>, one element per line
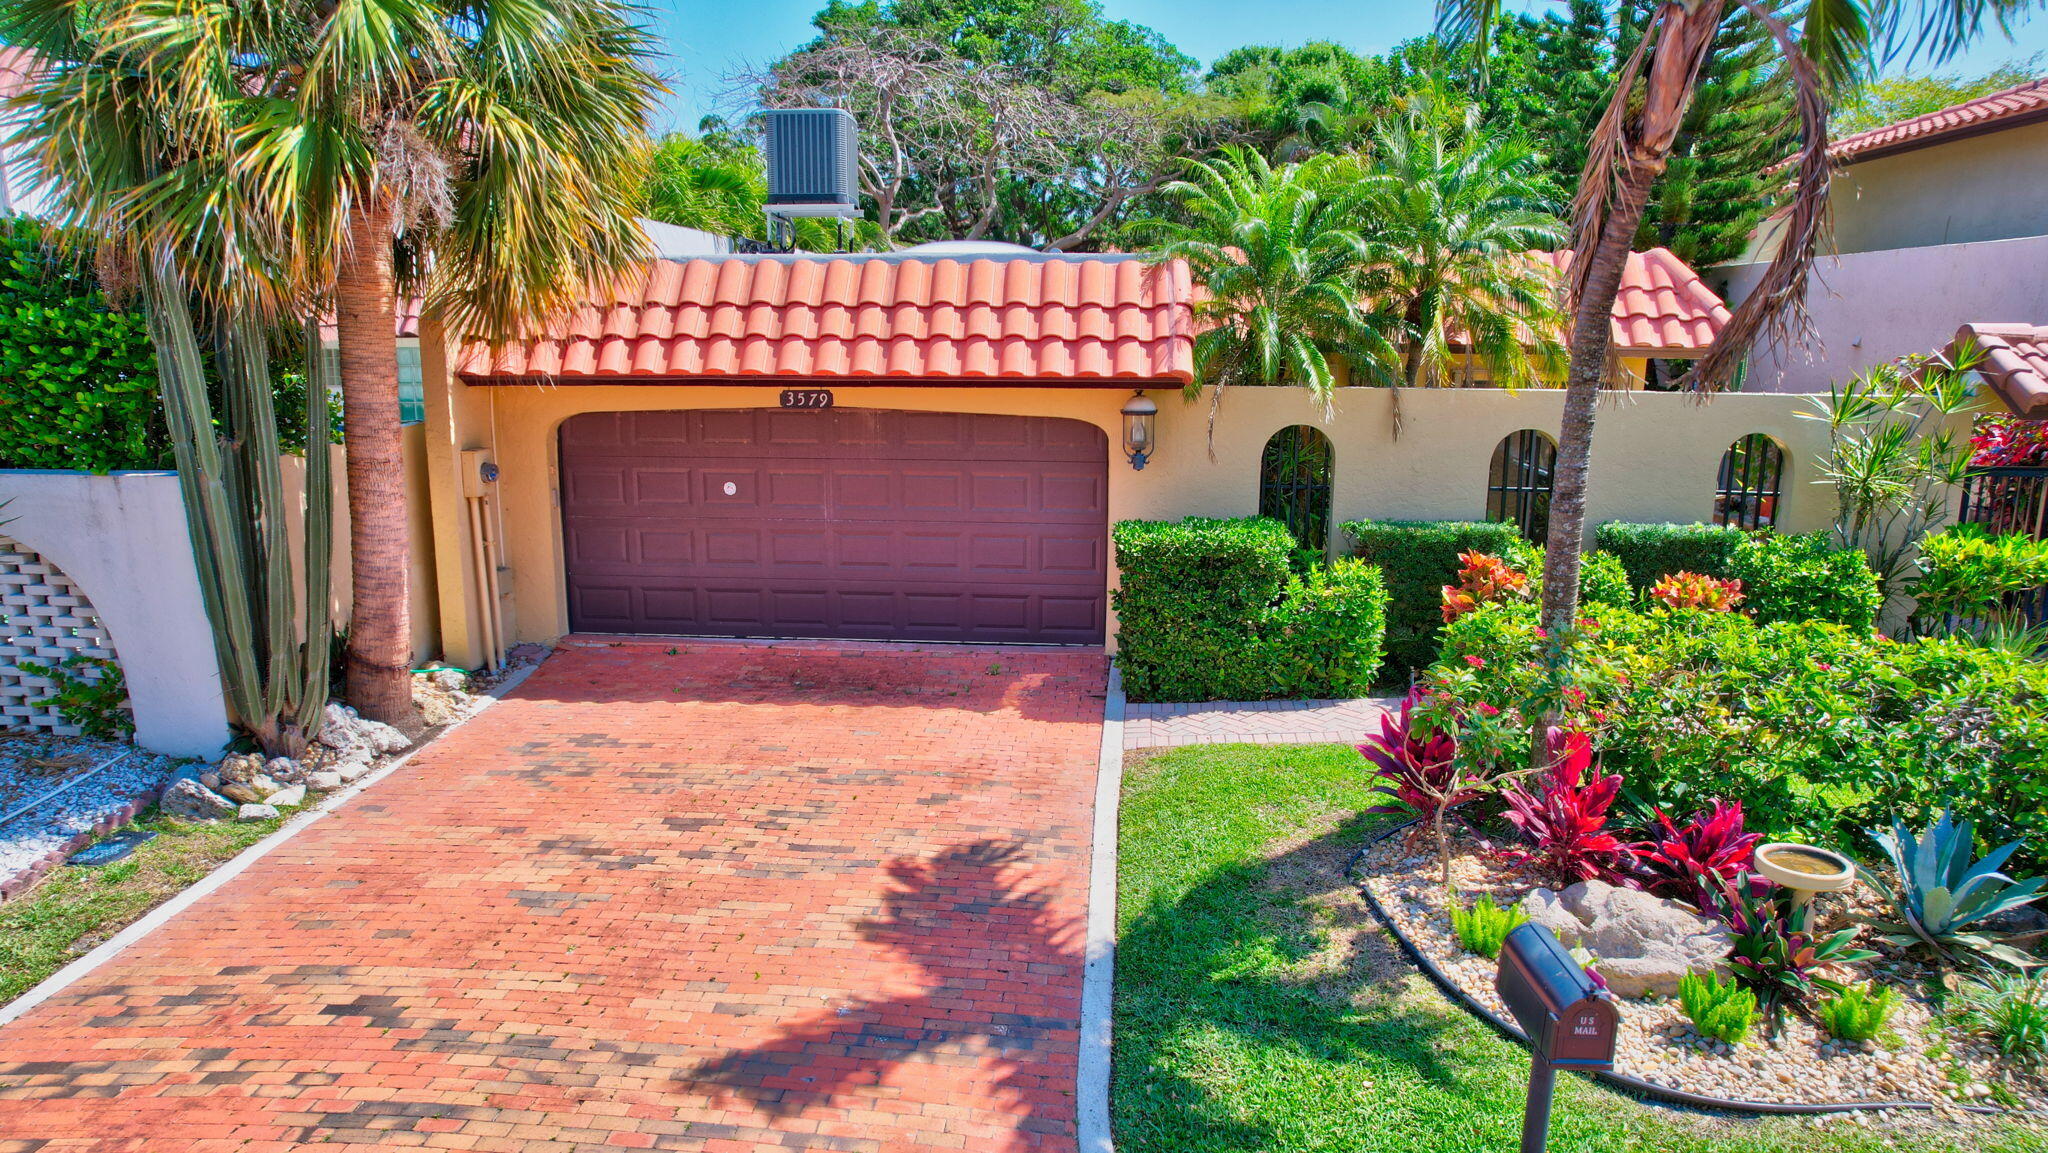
<point>836,523</point>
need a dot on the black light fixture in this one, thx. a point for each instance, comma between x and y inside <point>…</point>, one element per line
<point>1138,413</point>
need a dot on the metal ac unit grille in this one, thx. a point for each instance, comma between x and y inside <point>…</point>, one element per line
<point>810,154</point>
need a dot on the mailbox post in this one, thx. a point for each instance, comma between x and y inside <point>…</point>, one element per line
<point>1570,1020</point>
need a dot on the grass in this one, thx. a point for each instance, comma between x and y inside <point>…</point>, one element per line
<point>1260,1008</point>
<point>74,909</point>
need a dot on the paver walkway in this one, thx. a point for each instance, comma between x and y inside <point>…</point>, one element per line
<point>1254,722</point>
<point>705,896</point>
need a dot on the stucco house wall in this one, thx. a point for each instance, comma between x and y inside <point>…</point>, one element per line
<point>1656,459</point>
<point>1869,308</point>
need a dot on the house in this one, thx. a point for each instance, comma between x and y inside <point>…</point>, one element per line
<point>931,445</point>
<point>20,190</point>
<point>1937,220</point>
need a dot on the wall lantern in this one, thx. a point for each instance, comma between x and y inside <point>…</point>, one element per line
<point>1139,412</point>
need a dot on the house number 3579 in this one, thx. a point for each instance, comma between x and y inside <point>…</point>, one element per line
<point>807,398</point>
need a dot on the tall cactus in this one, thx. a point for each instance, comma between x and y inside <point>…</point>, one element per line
<point>235,512</point>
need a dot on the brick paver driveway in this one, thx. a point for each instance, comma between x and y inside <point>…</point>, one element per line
<point>707,896</point>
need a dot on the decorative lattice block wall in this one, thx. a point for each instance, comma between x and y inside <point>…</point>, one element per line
<point>48,620</point>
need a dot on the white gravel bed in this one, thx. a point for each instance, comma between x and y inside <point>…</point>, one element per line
<point>31,766</point>
<point>1921,1061</point>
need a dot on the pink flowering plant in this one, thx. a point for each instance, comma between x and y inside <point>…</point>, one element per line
<point>1695,861</point>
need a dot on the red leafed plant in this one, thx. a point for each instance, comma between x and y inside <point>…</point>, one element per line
<point>2004,441</point>
<point>1696,861</point>
<point>1566,818</point>
<point>1483,580</point>
<point>1691,590</point>
<point>1418,770</point>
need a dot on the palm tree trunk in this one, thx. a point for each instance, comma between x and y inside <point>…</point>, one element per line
<point>1590,342</point>
<point>379,658</point>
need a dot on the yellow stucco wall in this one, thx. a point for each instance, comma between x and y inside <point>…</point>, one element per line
<point>1655,458</point>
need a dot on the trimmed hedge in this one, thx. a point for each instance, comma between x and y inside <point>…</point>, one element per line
<point>1651,551</point>
<point>1804,577</point>
<point>1416,559</point>
<point>1212,610</point>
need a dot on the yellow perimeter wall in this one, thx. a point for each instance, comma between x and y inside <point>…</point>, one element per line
<point>1655,459</point>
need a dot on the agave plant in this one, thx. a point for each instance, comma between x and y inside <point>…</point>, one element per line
<point>1694,861</point>
<point>1566,818</point>
<point>1943,899</point>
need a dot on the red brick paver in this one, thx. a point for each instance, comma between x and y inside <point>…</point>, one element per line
<point>706,897</point>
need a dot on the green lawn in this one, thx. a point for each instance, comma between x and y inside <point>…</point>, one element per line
<point>1260,1007</point>
<point>73,910</point>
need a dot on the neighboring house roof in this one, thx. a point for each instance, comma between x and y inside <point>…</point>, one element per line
<point>1110,319</point>
<point>2015,364</point>
<point>2021,104</point>
<point>1663,308</point>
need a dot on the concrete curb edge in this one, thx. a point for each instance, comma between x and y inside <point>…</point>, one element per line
<point>1098,976</point>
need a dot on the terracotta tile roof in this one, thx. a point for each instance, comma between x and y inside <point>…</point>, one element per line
<point>1663,309</point>
<point>2015,364</point>
<point>1025,318</point>
<point>2021,104</point>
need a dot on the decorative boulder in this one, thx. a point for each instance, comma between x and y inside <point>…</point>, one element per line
<point>381,737</point>
<point>189,800</point>
<point>324,782</point>
<point>290,798</point>
<point>1643,944</point>
<point>342,730</point>
<point>256,813</point>
<point>449,680</point>
<point>285,770</point>
<point>240,767</point>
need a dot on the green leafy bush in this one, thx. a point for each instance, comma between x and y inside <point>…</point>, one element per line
<point>1821,732</point>
<point>78,379</point>
<point>1804,577</point>
<point>1417,559</point>
<point>1482,928</point>
<point>1968,572</point>
<point>1723,1009</point>
<point>91,692</point>
<point>1213,610</point>
<point>1602,579</point>
<point>1650,551</point>
<point>1857,1013</point>
<point>2011,1012</point>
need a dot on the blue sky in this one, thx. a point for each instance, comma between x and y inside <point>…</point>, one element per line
<point>706,41</point>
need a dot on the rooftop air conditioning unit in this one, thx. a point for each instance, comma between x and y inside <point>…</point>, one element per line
<point>811,157</point>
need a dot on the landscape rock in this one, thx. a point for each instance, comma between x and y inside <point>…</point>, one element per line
<point>243,792</point>
<point>256,813</point>
<point>285,770</point>
<point>449,680</point>
<point>381,737</point>
<point>192,801</point>
<point>325,782</point>
<point>241,767</point>
<point>290,798</point>
<point>352,771</point>
<point>209,778</point>
<point>1644,944</point>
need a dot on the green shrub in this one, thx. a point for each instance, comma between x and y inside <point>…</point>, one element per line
<point>1804,577</point>
<point>1417,559</point>
<point>1820,731</point>
<point>78,387</point>
<point>1720,1008</point>
<point>1650,551</point>
<point>1213,610</point>
<point>90,692</point>
<point>1968,572</point>
<point>1482,928</point>
<point>1857,1013</point>
<point>1602,579</point>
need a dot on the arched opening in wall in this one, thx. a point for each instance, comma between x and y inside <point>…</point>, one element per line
<point>51,639</point>
<point>1751,480</point>
<point>1519,480</point>
<point>1295,474</point>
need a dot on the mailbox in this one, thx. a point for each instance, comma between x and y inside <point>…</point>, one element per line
<point>1570,1020</point>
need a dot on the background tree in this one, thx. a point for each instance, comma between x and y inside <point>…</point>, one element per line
<point>1284,270</point>
<point>1450,218</point>
<point>1892,99</point>
<point>1827,48</point>
<point>288,156</point>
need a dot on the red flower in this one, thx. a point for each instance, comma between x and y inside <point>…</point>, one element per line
<point>1476,662</point>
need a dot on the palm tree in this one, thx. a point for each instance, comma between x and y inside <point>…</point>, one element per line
<point>286,156</point>
<point>1453,218</point>
<point>1822,48</point>
<point>1284,274</point>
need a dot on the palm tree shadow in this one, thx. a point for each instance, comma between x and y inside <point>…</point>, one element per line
<point>1270,961</point>
<point>1001,985</point>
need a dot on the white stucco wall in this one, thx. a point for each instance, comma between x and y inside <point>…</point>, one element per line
<point>1872,307</point>
<point>121,538</point>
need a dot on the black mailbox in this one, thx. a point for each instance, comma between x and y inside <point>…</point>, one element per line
<point>1570,1020</point>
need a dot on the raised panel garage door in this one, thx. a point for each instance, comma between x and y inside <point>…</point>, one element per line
<point>837,523</point>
